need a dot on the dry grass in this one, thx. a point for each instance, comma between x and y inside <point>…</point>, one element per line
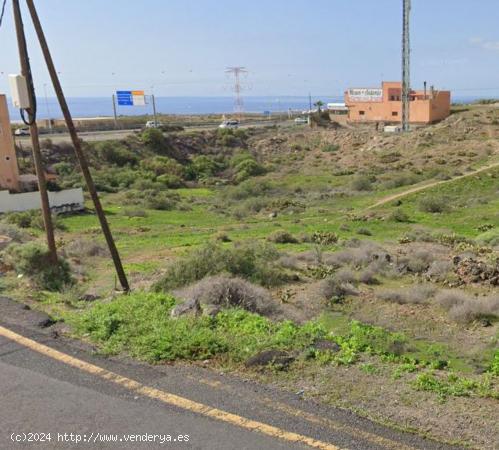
<point>84,248</point>
<point>416,294</point>
<point>229,292</point>
<point>463,307</point>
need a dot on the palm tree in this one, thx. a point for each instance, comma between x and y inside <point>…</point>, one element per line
<point>319,104</point>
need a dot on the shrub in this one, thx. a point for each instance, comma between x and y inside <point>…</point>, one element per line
<point>345,275</point>
<point>115,153</point>
<point>324,238</point>
<point>333,290</point>
<point>140,324</point>
<point>162,165</point>
<point>170,181</point>
<point>362,183</point>
<point>256,262</point>
<point>80,247</point>
<point>417,293</point>
<point>330,148</point>
<point>399,215</point>
<point>31,219</point>
<point>156,142</point>
<point>248,168</point>
<point>364,231</point>
<point>33,260</point>
<point>490,238</point>
<point>13,232</point>
<point>204,166</point>
<point>434,204</point>
<point>228,292</point>
<point>463,308</point>
<point>282,237</point>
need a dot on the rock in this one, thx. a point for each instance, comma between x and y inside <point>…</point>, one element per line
<point>326,345</point>
<point>89,297</point>
<point>272,215</point>
<point>189,308</point>
<point>274,357</point>
<point>46,323</point>
<point>211,310</point>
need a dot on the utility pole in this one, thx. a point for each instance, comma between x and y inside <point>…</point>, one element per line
<point>115,113</point>
<point>154,110</point>
<point>33,128</point>
<point>406,65</point>
<point>238,100</point>
<point>309,102</point>
<point>77,146</point>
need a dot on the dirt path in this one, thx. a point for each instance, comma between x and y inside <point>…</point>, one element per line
<point>430,185</point>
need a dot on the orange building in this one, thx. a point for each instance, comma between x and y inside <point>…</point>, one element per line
<point>9,172</point>
<point>385,104</point>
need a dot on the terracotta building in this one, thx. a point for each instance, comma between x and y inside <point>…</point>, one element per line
<point>9,172</point>
<point>385,104</point>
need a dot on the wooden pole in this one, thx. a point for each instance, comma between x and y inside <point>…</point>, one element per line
<point>78,149</point>
<point>33,128</point>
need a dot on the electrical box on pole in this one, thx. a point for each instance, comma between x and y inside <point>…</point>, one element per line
<point>19,91</point>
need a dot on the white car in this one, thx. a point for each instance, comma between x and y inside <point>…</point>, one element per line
<point>153,124</point>
<point>229,124</point>
<point>301,120</point>
<point>21,132</point>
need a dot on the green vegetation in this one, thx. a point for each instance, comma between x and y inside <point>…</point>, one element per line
<point>32,260</point>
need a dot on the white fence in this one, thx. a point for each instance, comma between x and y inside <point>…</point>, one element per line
<point>62,201</point>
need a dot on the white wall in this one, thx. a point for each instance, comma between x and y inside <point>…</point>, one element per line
<point>63,201</point>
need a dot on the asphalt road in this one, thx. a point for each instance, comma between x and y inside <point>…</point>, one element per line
<point>54,386</point>
<point>120,134</point>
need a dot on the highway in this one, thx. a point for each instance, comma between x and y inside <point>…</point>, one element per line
<point>60,389</point>
<point>94,136</point>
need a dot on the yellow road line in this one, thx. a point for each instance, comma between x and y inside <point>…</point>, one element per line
<point>312,418</point>
<point>166,397</point>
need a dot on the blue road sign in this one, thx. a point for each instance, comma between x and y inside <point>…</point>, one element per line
<point>125,98</point>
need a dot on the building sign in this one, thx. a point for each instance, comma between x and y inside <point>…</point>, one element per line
<point>365,95</point>
<point>131,98</point>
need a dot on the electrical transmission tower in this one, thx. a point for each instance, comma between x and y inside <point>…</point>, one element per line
<point>406,65</point>
<point>238,100</point>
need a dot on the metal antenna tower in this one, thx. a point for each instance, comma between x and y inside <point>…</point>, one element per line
<point>406,65</point>
<point>238,100</point>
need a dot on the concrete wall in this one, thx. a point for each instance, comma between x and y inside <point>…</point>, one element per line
<point>9,172</point>
<point>63,201</point>
<point>424,108</point>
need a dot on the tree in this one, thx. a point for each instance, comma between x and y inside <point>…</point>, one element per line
<point>319,104</point>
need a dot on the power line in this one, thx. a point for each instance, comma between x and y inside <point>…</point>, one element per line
<point>3,12</point>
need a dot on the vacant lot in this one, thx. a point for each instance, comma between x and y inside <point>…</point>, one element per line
<point>257,252</point>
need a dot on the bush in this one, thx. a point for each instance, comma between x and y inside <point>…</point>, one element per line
<point>31,219</point>
<point>333,290</point>
<point>248,168</point>
<point>330,148</point>
<point>13,232</point>
<point>490,238</point>
<point>140,324</point>
<point>433,204</point>
<point>463,308</point>
<point>399,215</point>
<point>115,153</point>
<point>417,293</point>
<point>256,262</point>
<point>204,166</point>
<point>80,247</point>
<point>156,142</point>
<point>227,292</point>
<point>33,260</point>
<point>362,183</point>
<point>162,165</point>
<point>282,237</point>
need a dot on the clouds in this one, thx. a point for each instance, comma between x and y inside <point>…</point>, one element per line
<point>486,45</point>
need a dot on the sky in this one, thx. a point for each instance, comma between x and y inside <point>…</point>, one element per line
<point>290,47</point>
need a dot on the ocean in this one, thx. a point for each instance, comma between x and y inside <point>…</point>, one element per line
<point>101,107</point>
